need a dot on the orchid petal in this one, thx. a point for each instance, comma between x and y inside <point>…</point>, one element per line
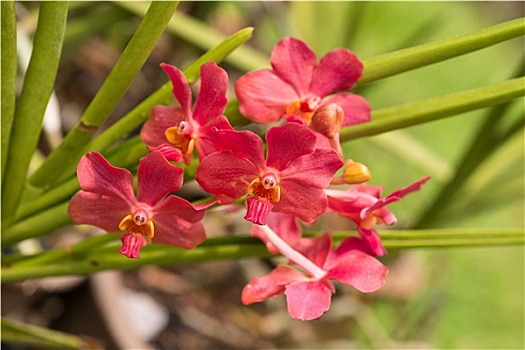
<point>294,62</point>
<point>161,118</point>
<point>314,170</point>
<point>261,288</point>
<point>416,186</point>
<point>372,238</point>
<point>307,300</point>
<point>226,175</point>
<point>243,144</point>
<point>96,175</point>
<point>284,225</point>
<point>157,178</point>
<point>316,249</point>
<point>211,100</point>
<point>288,142</point>
<point>263,96</point>
<point>348,246</point>
<point>181,89</point>
<point>305,203</point>
<point>101,211</point>
<point>207,142</point>
<point>177,222</point>
<point>360,271</point>
<point>338,70</point>
<point>168,151</point>
<point>378,205</point>
<point>356,108</point>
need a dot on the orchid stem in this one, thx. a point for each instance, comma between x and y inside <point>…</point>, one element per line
<point>38,86</point>
<point>292,254</point>
<point>398,117</point>
<point>8,75</point>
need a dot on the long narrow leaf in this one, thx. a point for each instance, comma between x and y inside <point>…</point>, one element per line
<point>389,64</point>
<point>38,86</point>
<point>116,84</point>
<point>8,75</point>
<point>398,117</point>
<point>108,258</point>
<point>205,37</point>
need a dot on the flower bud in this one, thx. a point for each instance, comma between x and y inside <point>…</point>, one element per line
<point>356,173</point>
<point>327,120</point>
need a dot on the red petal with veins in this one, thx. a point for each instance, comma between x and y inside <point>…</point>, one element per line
<point>360,271</point>
<point>304,202</point>
<point>356,108</point>
<point>96,175</point>
<point>181,89</point>
<point>177,223</point>
<point>314,170</point>
<point>308,300</point>
<point>263,96</point>
<point>211,100</point>
<point>106,213</point>
<point>338,70</point>
<point>161,118</point>
<point>208,140</point>
<point>243,144</point>
<point>157,178</point>
<point>288,142</point>
<point>262,288</point>
<point>226,175</point>
<point>294,62</point>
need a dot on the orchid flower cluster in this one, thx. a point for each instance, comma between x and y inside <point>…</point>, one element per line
<point>284,187</point>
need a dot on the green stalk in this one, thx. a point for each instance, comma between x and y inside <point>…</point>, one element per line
<point>20,333</point>
<point>205,37</point>
<point>398,117</point>
<point>115,86</point>
<point>38,225</point>
<point>389,64</point>
<point>74,262</point>
<point>37,89</point>
<point>8,76</point>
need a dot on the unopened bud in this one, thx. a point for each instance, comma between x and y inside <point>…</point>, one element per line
<point>328,119</point>
<point>356,173</point>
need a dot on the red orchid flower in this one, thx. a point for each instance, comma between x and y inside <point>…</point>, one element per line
<point>363,205</point>
<point>176,131</point>
<point>291,179</point>
<point>308,295</point>
<point>108,202</point>
<point>297,85</point>
<point>284,225</point>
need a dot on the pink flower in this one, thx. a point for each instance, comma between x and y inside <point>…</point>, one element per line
<point>108,202</point>
<point>363,205</point>
<point>176,131</point>
<point>308,295</point>
<point>291,179</point>
<point>297,85</point>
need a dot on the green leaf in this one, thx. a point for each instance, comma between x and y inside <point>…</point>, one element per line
<point>19,333</point>
<point>75,262</point>
<point>398,117</point>
<point>205,37</point>
<point>37,89</point>
<point>389,64</point>
<point>115,86</point>
<point>8,75</point>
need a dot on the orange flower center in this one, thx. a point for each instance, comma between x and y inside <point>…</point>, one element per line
<point>305,109</point>
<point>266,188</point>
<point>138,223</point>
<point>179,137</point>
